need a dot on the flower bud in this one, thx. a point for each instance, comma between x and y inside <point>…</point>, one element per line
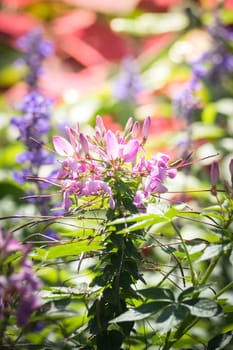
<point>146,129</point>
<point>135,130</point>
<point>214,175</point>
<point>128,125</point>
<point>84,143</point>
<point>100,125</point>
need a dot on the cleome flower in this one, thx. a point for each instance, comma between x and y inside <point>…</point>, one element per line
<point>96,165</point>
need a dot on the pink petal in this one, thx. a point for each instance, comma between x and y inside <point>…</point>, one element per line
<point>72,136</point>
<point>100,125</point>
<point>62,146</point>
<point>112,146</point>
<point>130,150</point>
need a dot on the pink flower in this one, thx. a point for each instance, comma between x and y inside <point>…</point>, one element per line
<point>93,165</point>
<point>126,152</point>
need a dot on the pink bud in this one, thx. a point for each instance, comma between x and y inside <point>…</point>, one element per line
<point>214,173</point>
<point>84,143</point>
<point>67,203</point>
<point>128,125</point>
<point>146,128</point>
<point>62,146</point>
<point>100,125</point>
<point>135,130</point>
<point>72,135</point>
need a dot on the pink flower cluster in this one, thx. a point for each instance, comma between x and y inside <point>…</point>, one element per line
<point>94,164</point>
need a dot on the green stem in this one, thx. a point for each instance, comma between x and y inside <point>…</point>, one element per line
<point>166,275</point>
<point>167,342</point>
<point>117,281</point>
<point>190,321</point>
<point>193,278</point>
<point>224,289</point>
<point>210,269</point>
<point>187,324</point>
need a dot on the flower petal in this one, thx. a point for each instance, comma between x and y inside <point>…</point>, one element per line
<point>62,146</point>
<point>112,146</point>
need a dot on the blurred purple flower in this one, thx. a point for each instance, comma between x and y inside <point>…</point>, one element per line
<point>18,284</point>
<point>213,67</point>
<point>185,102</point>
<point>32,125</point>
<point>36,49</point>
<point>217,63</point>
<point>129,84</point>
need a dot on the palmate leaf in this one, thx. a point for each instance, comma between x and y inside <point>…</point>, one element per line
<point>171,312</point>
<point>202,307</point>
<point>187,293</point>
<point>170,317</point>
<point>214,250</point>
<point>156,293</point>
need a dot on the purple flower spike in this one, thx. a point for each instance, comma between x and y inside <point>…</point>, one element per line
<point>129,85</point>
<point>34,123</point>
<point>36,50</point>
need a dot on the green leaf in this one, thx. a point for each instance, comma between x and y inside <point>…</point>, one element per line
<point>202,131</point>
<point>220,341</point>
<point>231,257</point>
<point>141,312</point>
<point>143,224</point>
<point>149,23</point>
<point>57,293</point>
<point>141,221</point>
<point>202,307</point>
<point>212,251</point>
<point>170,317</point>
<point>157,293</point>
<point>227,308</point>
<point>194,247</point>
<point>135,218</point>
<point>72,323</point>
<point>189,291</point>
<point>209,113</point>
<point>11,189</point>
<point>63,250</point>
<point>225,106</point>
